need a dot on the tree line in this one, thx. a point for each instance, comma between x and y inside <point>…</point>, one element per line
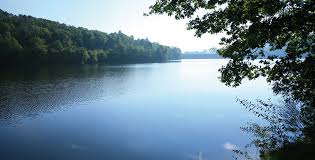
<point>29,40</point>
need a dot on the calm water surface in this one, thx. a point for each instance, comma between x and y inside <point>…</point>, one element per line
<point>169,111</point>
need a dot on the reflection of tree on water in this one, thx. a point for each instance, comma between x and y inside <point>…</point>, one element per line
<point>50,89</point>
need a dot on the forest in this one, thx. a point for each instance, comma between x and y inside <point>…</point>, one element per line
<point>29,40</point>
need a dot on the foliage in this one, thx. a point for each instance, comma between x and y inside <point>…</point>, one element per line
<point>251,25</point>
<point>282,125</point>
<point>29,40</point>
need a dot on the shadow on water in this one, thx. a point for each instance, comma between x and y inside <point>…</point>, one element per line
<point>29,91</point>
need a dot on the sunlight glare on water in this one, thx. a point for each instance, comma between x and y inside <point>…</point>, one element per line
<point>159,111</point>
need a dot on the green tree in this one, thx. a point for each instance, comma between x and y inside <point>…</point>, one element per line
<point>43,41</point>
<point>251,25</point>
<point>38,47</point>
<point>10,49</point>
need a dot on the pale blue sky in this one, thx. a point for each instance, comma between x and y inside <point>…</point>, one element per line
<point>112,16</point>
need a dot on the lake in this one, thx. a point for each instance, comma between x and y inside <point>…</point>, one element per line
<point>159,111</point>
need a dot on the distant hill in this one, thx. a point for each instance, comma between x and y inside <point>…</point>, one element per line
<point>279,52</point>
<point>29,40</point>
<point>206,54</point>
<point>213,54</point>
<point>201,56</point>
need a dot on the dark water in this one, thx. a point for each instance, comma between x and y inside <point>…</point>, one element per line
<point>170,111</point>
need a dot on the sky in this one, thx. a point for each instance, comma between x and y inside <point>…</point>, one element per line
<point>113,16</point>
